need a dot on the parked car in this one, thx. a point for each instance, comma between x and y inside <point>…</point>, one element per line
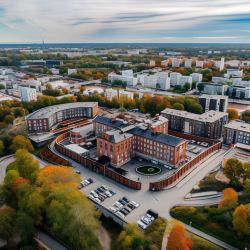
<point>124,211</point>
<point>141,224</point>
<point>134,204</point>
<point>90,180</point>
<point>77,171</point>
<point>153,213</point>
<point>125,199</point>
<point>122,202</point>
<point>120,215</point>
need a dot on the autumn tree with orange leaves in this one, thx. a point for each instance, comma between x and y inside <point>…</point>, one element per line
<point>229,198</point>
<point>241,218</point>
<point>178,238</point>
<point>51,175</point>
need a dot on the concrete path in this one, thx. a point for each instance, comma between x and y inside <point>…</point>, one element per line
<point>104,238</point>
<point>161,201</point>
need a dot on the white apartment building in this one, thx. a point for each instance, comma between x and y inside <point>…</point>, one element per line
<point>196,77</point>
<point>129,80</point>
<point>32,84</point>
<point>28,94</point>
<point>220,64</point>
<point>218,79</point>
<point>234,73</point>
<point>199,64</point>
<point>152,63</point>
<point>126,94</point>
<point>55,71</point>
<point>185,79</point>
<point>214,89</point>
<point>59,84</point>
<point>175,78</point>
<point>72,71</point>
<point>236,80</point>
<point>188,63</point>
<point>159,80</point>
<point>111,93</point>
<point>128,72</point>
<point>175,62</point>
<point>245,63</point>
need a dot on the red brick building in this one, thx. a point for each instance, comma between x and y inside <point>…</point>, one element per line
<point>121,141</point>
<point>45,119</point>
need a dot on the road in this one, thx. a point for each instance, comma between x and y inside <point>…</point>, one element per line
<point>161,201</point>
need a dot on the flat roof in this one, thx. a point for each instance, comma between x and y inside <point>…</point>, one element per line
<point>114,123</point>
<point>159,137</point>
<point>210,116</point>
<point>77,149</point>
<point>117,136</point>
<point>239,125</point>
<point>48,111</point>
<point>83,131</point>
<point>213,96</point>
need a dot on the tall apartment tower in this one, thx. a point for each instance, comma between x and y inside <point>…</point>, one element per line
<point>214,102</point>
<point>28,94</point>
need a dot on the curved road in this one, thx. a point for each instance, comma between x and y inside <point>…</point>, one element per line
<point>164,200</point>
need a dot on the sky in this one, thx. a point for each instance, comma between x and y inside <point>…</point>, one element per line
<point>104,21</point>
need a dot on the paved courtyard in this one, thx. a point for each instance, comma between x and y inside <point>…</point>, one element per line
<point>161,201</point>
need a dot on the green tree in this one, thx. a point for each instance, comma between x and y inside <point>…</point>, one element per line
<point>9,119</point>
<point>7,222</point>
<point>200,86</point>
<point>186,87</point>
<point>21,142</point>
<point>131,238</point>
<point>2,86</point>
<point>178,106</point>
<point>26,164</point>
<point>229,198</point>
<point>232,114</point>
<point>25,226</point>
<point>32,202</point>
<point>233,170</point>
<point>1,148</point>
<point>241,219</point>
<point>247,187</point>
<point>245,116</point>
<point>18,112</point>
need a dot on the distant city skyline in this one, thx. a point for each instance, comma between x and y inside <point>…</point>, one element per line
<point>163,21</point>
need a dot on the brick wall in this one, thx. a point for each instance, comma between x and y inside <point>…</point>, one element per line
<point>94,165</point>
<point>159,185</point>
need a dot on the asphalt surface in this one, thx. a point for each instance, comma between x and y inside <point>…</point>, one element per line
<point>161,201</point>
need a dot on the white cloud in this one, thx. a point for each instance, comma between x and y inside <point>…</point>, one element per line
<point>84,20</point>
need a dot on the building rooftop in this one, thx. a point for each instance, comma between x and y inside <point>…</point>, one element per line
<point>48,111</point>
<point>114,123</point>
<point>210,116</point>
<point>84,131</point>
<point>214,96</point>
<point>116,136</point>
<point>239,125</point>
<point>159,137</point>
<point>77,149</point>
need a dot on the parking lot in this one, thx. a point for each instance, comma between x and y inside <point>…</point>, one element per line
<point>158,201</point>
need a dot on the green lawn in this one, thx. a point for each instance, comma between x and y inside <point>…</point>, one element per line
<point>209,183</point>
<point>213,221</point>
<point>202,244</point>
